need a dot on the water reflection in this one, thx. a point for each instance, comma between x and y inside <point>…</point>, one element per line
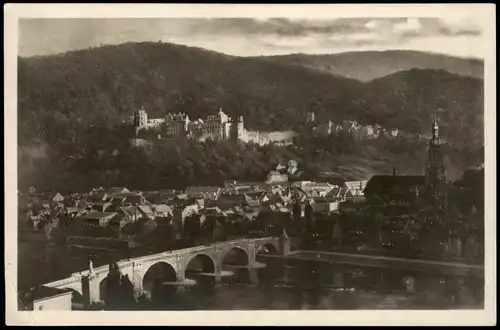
<point>298,285</point>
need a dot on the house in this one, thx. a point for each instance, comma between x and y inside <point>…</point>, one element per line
<point>163,211</point>
<point>131,212</point>
<point>57,198</point>
<point>276,177</point>
<point>203,192</point>
<point>99,196</point>
<point>325,205</point>
<point>200,202</point>
<point>256,195</point>
<point>130,198</point>
<point>147,211</point>
<point>52,299</point>
<point>95,219</point>
<point>272,199</point>
<point>338,193</point>
<point>230,200</point>
<point>100,206</point>
<point>74,211</point>
<point>189,210</point>
<point>229,191</point>
<point>323,187</point>
<point>82,204</point>
<point>313,194</point>
<point>119,221</point>
<point>355,187</point>
<point>252,200</point>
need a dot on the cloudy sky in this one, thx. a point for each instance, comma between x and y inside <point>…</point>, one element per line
<point>249,37</point>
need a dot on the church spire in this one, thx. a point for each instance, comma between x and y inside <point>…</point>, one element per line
<point>435,128</point>
<point>435,133</point>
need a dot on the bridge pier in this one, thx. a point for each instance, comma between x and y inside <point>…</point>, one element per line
<point>218,271</point>
<point>252,255</point>
<point>253,276</point>
<point>180,276</point>
<point>137,279</point>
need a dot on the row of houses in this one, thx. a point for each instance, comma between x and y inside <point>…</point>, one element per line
<point>117,207</point>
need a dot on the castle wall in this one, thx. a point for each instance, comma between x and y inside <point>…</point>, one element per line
<point>263,138</point>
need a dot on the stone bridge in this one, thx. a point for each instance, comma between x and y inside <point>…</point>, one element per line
<point>171,266</point>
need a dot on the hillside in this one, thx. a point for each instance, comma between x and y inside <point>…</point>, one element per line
<point>366,66</point>
<point>71,105</point>
<point>64,94</point>
<point>407,99</point>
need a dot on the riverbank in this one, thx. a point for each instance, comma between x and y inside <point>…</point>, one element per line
<point>379,251</point>
<point>417,265</point>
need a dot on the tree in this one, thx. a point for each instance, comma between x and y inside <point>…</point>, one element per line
<point>113,289</point>
<point>309,213</point>
<point>127,290</point>
<point>296,212</point>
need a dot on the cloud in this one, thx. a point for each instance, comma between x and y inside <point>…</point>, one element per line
<point>248,36</point>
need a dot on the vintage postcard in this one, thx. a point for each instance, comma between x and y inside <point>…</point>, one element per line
<point>206,164</point>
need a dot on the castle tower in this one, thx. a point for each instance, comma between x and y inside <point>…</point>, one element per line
<point>240,127</point>
<point>237,127</point>
<point>435,171</point>
<point>140,118</point>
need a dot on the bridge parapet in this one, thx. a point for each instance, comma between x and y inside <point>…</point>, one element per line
<point>64,281</point>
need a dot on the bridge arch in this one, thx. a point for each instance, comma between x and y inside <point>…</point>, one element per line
<point>76,297</point>
<point>103,288</point>
<point>236,256</point>
<point>200,263</point>
<point>158,272</point>
<point>267,248</point>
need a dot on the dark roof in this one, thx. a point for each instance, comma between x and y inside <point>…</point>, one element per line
<point>203,190</point>
<point>255,195</point>
<point>381,182</point>
<point>97,215</point>
<point>115,190</point>
<point>236,198</point>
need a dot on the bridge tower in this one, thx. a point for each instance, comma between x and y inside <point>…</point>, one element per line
<point>90,289</point>
<point>284,243</point>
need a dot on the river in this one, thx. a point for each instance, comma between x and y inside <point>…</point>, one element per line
<point>312,285</point>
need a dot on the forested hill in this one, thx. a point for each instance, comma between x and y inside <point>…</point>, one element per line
<point>407,100</point>
<point>61,95</point>
<point>73,105</point>
<point>108,83</point>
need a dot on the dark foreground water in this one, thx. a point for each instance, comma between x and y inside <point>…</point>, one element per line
<point>302,285</point>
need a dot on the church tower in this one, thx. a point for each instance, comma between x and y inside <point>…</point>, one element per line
<point>435,171</point>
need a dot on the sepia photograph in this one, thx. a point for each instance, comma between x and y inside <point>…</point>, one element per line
<point>185,161</point>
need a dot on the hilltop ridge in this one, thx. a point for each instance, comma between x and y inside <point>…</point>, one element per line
<point>369,65</point>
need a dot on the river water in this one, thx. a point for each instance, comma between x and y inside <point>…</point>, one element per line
<point>313,285</point>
